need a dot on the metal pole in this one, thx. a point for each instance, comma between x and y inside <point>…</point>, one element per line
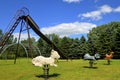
<point>108,61</point>
<point>46,71</point>
<point>29,40</point>
<point>91,63</point>
<point>16,54</point>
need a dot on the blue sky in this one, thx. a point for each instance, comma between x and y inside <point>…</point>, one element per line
<point>71,18</point>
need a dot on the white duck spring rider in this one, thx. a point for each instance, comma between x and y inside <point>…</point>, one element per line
<point>41,60</point>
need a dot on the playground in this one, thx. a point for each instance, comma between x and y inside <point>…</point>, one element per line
<point>24,70</point>
<point>50,68</point>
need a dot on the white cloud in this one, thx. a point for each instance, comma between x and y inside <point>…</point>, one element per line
<point>67,29</point>
<point>105,9</point>
<point>63,29</point>
<point>94,15</point>
<point>97,14</point>
<point>24,36</point>
<point>71,1</point>
<point>117,9</point>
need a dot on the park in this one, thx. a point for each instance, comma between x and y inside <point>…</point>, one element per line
<point>66,70</point>
<point>22,62</point>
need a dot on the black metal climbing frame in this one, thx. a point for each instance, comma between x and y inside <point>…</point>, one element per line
<point>8,34</point>
<point>22,16</point>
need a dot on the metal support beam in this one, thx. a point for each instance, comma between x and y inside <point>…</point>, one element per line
<point>91,62</point>
<point>18,44</point>
<point>29,40</point>
<point>46,72</point>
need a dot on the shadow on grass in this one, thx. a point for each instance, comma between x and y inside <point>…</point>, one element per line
<point>49,76</point>
<point>6,64</point>
<point>106,64</point>
<point>90,67</point>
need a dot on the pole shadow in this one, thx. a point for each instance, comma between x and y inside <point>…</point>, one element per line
<point>49,76</point>
<point>90,67</point>
<point>106,64</point>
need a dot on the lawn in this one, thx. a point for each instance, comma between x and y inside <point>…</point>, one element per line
<point>66,70</point>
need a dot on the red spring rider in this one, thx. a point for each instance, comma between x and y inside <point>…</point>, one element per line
<point>109,56</point>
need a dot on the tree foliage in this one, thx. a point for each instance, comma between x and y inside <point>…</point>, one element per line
<point>100,39</point>
<point>105,38</point>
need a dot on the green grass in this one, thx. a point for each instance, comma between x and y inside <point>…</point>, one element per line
<point>66,70</point>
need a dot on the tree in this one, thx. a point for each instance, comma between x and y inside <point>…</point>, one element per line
<point>44,47</point>
<point>117,43</point>
<point>82,45</point>
<point>104,38</point>
<point>74,51</point>
<point>65,45</point>
<point>1,34</point>
<point>55,39</point>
